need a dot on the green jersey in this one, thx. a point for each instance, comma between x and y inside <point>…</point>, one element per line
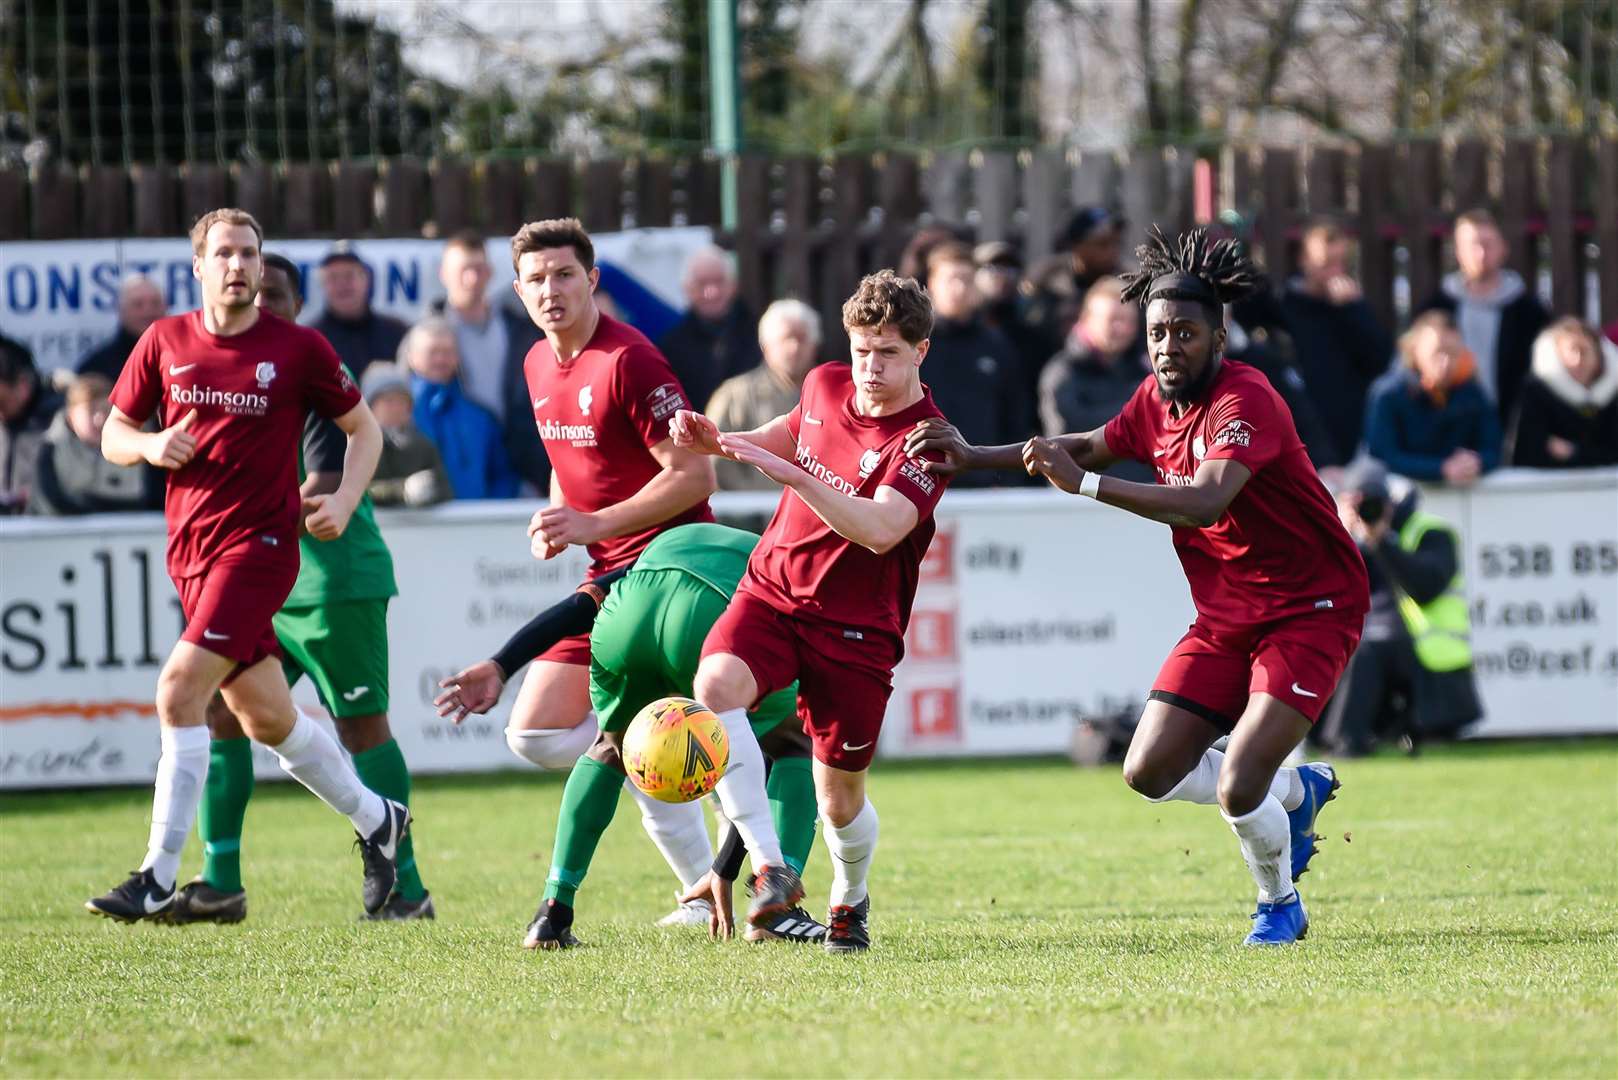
<point>716,555</point>
<point>356,565</point>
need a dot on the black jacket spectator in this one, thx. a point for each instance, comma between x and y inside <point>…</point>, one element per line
<point>978,384</point>
<point>1517,316</point>
<point>518,430</point>
<point>1340,350</point>
<point>1567,413</point>
<point>361,341</point>
<point>1277,366</point>
<point>107,359</point>
<point>26,411</point>
<point>704,353</point>
<point>1081,389</point>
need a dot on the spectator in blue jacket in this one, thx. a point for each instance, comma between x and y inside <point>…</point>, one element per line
<point>1430,418</point>
<point>467,435</point>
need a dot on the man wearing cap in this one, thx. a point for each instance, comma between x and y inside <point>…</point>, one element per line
<point>359,334</point>
<point>998,281</point>
<point>411,471</point>
<point>1092,243</point>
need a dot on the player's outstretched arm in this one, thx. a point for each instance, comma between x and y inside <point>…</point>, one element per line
<point>330,513</point>
<point>696,432</point>
<point>939,436</point>
<point>124,443</point>
<point>475,689</point>
<point>1196,505</point>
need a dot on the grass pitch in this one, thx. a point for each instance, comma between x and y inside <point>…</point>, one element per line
<point>1029,919</point>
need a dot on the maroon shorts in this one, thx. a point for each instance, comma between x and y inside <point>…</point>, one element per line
<point>228,607</point>
<point>1212,672</point>
<point>845,675</point>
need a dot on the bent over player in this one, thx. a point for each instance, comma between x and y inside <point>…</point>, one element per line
<point>828,590</point>
<point>334,628</point>
<point>645,643</point>
<point>231,386</point>
<point>1280,589</point>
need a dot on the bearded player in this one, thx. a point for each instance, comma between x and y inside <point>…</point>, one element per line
<point>646,639</point>
<point>828,590</point>
<point>602,397</point>
<point>1280,589</point>
<point>231,386</point>
<point>334,628</point>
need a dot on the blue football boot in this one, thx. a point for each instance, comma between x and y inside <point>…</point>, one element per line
<point>1320,786</point>
<point>1279,924</point>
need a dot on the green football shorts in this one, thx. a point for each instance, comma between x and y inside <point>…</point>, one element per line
<point>647,642</point>
<point>343,648</point>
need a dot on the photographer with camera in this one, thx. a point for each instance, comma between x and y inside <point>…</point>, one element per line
<point>1412,674</point>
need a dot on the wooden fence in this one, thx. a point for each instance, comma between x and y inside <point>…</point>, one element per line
<point>809,227</point>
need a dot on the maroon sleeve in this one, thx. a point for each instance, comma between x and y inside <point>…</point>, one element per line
<point>1125,433</point>
<point>648,392</point>
<point>328,388</point>
<point>1246,426</point>
<point>139,390</point>
<point>905,475</point>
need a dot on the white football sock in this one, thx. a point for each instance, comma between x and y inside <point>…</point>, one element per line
<point>680,832</point>
<point>741,792</point>
<point>553,748</point>
<point>1201,784</point>
<point>313,759</point>
<point>182,773</point>
<point>851,849</point>
<point>1267,847</point>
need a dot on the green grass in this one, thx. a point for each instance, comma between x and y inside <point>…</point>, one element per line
<point>1030,919</point>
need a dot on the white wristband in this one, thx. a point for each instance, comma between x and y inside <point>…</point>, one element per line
<point>1090,486</point>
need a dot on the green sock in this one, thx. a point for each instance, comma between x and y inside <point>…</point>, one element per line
<point>791,789</point>
<point>588,802</point>
<point>382,769</point>
<point>224,807</point>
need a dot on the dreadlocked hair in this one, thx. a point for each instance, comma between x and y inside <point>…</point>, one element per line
<point>1223,264</point>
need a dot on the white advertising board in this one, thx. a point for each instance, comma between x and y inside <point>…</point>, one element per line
<point>1035,610</point>
<point>60,297</point>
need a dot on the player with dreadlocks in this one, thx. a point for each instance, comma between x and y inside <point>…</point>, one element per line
<point>1280,589</point>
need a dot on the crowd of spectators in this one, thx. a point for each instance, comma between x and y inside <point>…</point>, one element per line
<point>1482,377</point>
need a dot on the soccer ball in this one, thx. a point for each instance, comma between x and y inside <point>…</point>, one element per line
<point>676,750</point>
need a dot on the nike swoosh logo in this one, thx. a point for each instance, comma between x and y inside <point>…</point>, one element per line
<point>211,636</point>
<point>354,694</point>
<point>1159,453</point>
<point>153,909</point>
<point>811,420</point>
<point>1296,689</point>
<point>539,401</point>
<point>387,849</point>
<point>861,746</point>
<point>177,369</point>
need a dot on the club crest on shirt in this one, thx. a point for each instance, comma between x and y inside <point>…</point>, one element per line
<point>265,372</point>
<point>586,397</point>
<point>1235,433</point>
<point>868,461</point>
<point>1199,449</point>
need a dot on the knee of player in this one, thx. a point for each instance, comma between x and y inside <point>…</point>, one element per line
<point>839,803</point>
<point>1147,779</point>
<point>181,697</point>
<point>723,683</point>
<point>1240,790</point>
